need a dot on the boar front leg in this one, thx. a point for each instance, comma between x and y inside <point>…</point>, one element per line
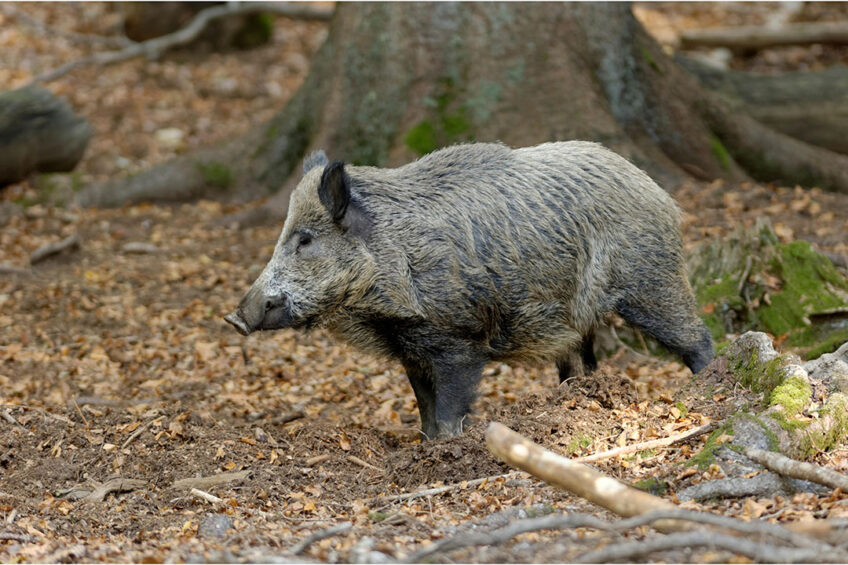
<point>421,378</point>
<point>444,387</point>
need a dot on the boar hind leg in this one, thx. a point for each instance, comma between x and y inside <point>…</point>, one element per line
<point>674,324</point>
<point>421,379</point>
<point>580,362</point>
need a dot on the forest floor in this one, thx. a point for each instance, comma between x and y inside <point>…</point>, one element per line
<point>117,363</point>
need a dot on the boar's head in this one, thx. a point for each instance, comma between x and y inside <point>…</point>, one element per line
<point>320,262</point>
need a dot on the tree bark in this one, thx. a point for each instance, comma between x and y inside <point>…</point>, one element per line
<point>394,81</point>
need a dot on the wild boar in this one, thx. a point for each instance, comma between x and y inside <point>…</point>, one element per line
<point>479,253</point>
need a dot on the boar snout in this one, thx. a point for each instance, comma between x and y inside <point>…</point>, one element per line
<point>259,312</point>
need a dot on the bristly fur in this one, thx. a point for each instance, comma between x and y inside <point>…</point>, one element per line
<point>478,252</point>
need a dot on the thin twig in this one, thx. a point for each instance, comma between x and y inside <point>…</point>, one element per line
<point>139,431</point>
<point>9,418</point>
<point>211,498</point>
<point>84,420</point>
<point>50,249</point>
<point>367,465</point>
<point>440,490</point>
<point>315,460</point>
<point>636,447</point>
<point>301,546</point>
<point>778,463</point>
<point>154,48</point>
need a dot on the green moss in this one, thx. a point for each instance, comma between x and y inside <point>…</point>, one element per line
<point>721,153</point>
<point>578,442</point>
<point>755,375</point>
<point>682,407</point>
<point>539,511</point>
<point>377,516</point>
<point>719,302</point>
<point>816,439</point>
<point>646,54</point>
<point>421,139</point>
<point>216,174</point>
<point>807,276</point>
<point>257,30</point>
<point>793,394</point>
<point>828,344</point>
<point>704,458</point>
<point>653,485</point>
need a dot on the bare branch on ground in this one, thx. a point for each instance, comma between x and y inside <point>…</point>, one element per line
<point>50,249</point>
<point>154,48</point>
<point>301,546</point>
<point>440,490</point>
<point>760,37</point>
<point>118,484</point>
<point>778,463</point>
<point>203,495</point>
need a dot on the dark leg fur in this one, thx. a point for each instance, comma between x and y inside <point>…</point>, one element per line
<point>674,325</point>
<point>444,387</point>
<point>580,363</point>
<point>421,379</point>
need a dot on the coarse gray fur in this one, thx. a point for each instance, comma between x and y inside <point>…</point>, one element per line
<point>477,253</point>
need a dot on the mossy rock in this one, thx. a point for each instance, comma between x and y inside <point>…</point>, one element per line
<point>751,281</point>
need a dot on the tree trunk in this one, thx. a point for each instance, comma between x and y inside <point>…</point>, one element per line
<point>394,81</point>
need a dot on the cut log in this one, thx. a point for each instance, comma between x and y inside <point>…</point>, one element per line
<point>741,38</point>
<point>38,133</point>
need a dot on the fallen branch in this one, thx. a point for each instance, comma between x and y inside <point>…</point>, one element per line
<point>211,481</point>
<point>154,48</point>
<point>211,498</point>
<point>778,463</point>
<point>759,37</point>
<point>301,546</point>
<point>574,477</point>
<point>114,485</point>
<point>636,447</point>
<point>577,520</point>
<point>762,485</point>
<point>50,31</point>
<point>7,269</point>
<point>50,249</point>
<point>22,538</point>
<point>317,459</point>
<point>760,552</point>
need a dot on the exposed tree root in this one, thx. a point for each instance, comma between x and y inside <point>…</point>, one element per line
<point>762,485</point>
<point>798,469</point>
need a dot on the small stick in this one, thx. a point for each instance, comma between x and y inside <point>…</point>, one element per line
<point>783,465</point>
<point>446,488</point>
<point>301,546</point>
<point>211,498</point>
<point>49,249</point>
<point>11,419</point>
<point>115,485</point>
<point>316,460</point>
<point>360,462</point>
<point>139,431</point>
<point>81,414</point>
<point>636,447</point>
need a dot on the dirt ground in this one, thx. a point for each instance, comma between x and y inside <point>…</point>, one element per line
<point>118,364</point>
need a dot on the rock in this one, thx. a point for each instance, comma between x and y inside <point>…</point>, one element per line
<point>170,138</point>
<point>214,526</point>
<point>831,368</point>
<point>38,133</point>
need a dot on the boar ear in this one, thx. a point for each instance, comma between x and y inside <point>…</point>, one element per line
<point>315,159</point>
<point>334,190</point>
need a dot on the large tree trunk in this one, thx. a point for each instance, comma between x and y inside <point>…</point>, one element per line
<point>396,80</point>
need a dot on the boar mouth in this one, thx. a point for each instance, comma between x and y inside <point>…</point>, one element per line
<point>235,320</point>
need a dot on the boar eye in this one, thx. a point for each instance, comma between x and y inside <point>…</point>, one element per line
<point>303,240</point>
